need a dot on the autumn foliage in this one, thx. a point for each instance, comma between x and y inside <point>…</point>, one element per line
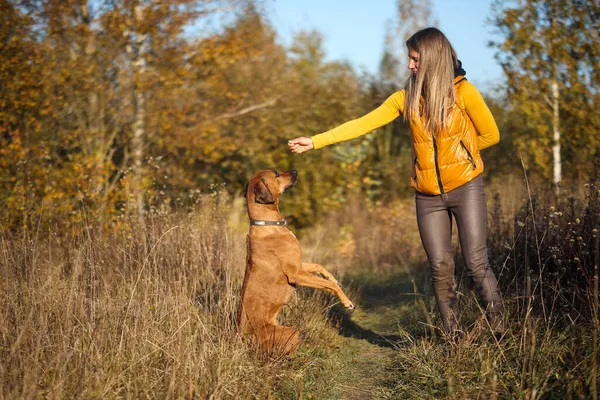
<point>124,107</point>
<point>121,107</point>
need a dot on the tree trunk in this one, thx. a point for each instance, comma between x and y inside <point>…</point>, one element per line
<point>94,136</point>
<point>557,171</point>
<point>137,141</point>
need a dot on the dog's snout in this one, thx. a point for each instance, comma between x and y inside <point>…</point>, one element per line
<point>291,177</point>
<point>294,174</point>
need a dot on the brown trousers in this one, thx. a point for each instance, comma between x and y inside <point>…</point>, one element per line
<point>434,217</point>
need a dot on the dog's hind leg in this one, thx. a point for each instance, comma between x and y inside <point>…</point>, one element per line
<point>315,268</point>
<point>279,340</point>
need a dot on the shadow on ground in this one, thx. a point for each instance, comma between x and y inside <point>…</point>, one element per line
<point>386,304</point>
<point>349,328</point>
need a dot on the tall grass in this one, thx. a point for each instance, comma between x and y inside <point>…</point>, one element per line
<point>545,254</point>
<point>545,250</point>
<point>145,312</point>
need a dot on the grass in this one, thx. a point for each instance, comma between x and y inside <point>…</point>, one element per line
<point>147,311</point>
<point>532,360</point>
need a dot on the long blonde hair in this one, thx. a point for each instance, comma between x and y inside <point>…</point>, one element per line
<point>433,81</point>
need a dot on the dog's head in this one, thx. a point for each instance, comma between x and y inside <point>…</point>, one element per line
<point>265,187</point>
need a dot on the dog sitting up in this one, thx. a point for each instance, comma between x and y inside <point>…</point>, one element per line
<point>274,266</point>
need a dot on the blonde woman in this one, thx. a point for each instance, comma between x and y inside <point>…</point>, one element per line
<point>450,124</point>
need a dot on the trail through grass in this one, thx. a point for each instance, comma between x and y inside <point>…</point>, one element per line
<point>371,334</point>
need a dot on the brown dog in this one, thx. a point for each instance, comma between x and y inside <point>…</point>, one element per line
<point>274,266</point>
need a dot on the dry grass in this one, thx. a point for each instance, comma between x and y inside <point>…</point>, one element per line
<point>147,311</point>
<point>543,251</point>
<point>533,360</point>
<point>143,313</point>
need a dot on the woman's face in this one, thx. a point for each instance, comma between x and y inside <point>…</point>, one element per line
<point>413,61</point>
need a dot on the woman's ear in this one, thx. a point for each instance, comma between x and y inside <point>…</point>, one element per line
<point>262,194</point>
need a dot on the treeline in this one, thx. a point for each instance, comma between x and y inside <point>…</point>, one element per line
<point>110,108</point>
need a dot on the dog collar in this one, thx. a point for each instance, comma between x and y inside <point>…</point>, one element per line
<point>268,223</point>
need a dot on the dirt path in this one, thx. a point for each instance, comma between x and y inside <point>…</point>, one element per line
<point>367,368</point>
<point>371,335</point>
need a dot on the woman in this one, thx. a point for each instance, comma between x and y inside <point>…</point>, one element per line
<point>450,123</point>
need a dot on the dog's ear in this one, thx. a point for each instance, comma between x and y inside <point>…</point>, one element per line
<point>246,190</point>
<point>262,194</point>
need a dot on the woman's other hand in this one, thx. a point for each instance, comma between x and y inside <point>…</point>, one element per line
<point>300,145</point>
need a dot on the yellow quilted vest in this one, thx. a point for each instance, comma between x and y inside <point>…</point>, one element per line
<point>448,159</point>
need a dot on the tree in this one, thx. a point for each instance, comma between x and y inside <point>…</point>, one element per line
<point>322,95</point>
<point>550,54</point>
<point>148,36</point>
<point>387,150</point>
<point>114,107</point>
<point>413,15</point>
<point>390,64</point>
<point>84,85</point>
<point>23,107</point>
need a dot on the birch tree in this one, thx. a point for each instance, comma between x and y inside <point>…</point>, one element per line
<point>550,53</point>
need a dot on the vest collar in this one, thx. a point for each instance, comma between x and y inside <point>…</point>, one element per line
<point>459,78</point>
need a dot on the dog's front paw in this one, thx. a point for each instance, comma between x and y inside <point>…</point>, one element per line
<point>349,305</point>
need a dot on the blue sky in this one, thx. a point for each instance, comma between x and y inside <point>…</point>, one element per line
<point>354,30</point>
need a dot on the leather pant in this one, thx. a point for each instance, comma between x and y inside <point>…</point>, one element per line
<point>434,217</point>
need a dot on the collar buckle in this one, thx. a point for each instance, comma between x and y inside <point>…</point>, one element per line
<point>257,222</point>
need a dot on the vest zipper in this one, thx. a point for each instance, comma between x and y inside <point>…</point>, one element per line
<point>468,154</point>
<point>435,153</point>
<point>415,168</point>
<point>437,167</point>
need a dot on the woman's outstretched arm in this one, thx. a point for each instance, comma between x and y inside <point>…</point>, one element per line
<point>382,115</point>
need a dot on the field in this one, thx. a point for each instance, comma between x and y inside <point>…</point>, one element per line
<point>147,311</point>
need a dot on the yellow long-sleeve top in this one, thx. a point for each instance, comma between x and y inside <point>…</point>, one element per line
<point>393,106</point>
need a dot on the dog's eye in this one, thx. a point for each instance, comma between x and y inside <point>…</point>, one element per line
<point>276,174</point>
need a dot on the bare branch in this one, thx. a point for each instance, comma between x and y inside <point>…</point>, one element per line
<point>244,110</point>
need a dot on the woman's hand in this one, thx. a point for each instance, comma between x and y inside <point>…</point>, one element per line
<point>300,145</point>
